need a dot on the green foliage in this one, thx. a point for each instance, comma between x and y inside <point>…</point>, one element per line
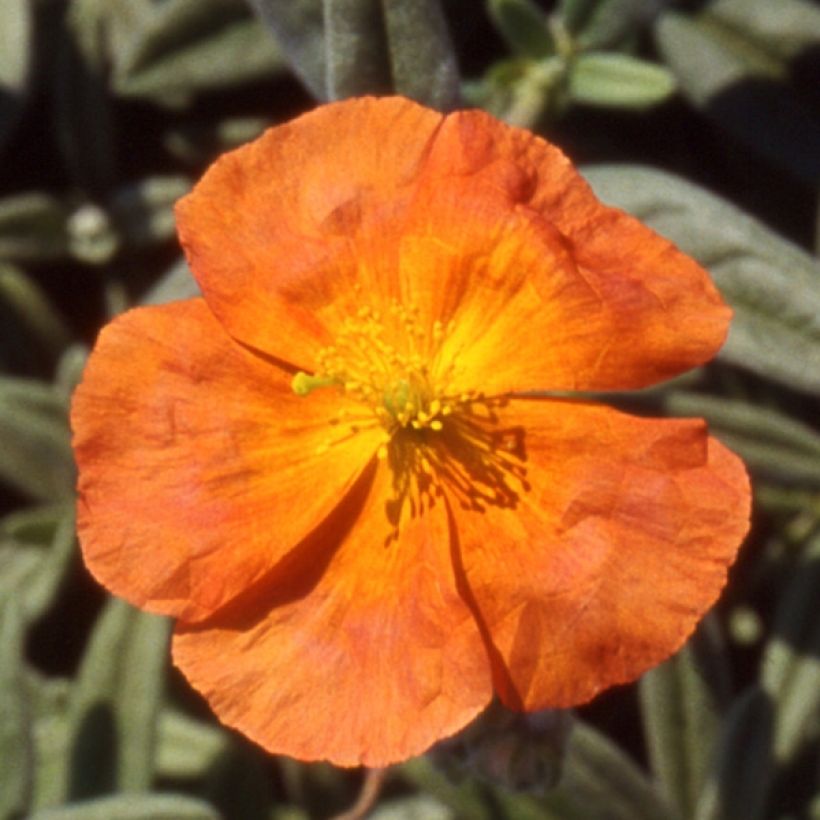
<point>574,56</point>
<point>16,49</point>
<point>115,702</point>
<point>341,48</point>
<point>682,706</point>
<point>129,807</point>
<point>734,59</point>
<point>619,81</point>
<point>17,773</point>
<point>37,457</point>
<point>524,27</point>
<point>109,109</point>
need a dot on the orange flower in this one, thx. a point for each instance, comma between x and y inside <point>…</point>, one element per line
<point>329,468</point>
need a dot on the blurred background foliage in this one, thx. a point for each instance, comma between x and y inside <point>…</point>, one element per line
<point>702,118</point>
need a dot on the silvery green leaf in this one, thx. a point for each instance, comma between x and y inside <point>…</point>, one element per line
<point>574,14</point>
<point>524,26</point>
<point>187,748</point>
<point>16,729</point>
<point>70,369</point>
<point>133,807</point>
<point>422,60</point>
<point>785,29</point>
<point>682,703</point>
<point>21,296</point>
<point>83,117</point>
<point>741,83</point>
<point>34,439</point>
<point>15,59</point>
<point>791,659</point>
<point>115,702</point>
<point>600,780</point>
<point>417,807</point>
<point>739,777</point>
<point>773,286</point>
<point>356,50</point>
<point>607,23</point>
<point>298,26</point>
<point>168,51</point>
<point>33,227</point>
<point>462,795</point>
<point>619,81</point>
<point>49,703</point>
<point>36,548</point>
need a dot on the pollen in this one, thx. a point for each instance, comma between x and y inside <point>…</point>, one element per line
<point>388,363</point>
<point>433,439</point>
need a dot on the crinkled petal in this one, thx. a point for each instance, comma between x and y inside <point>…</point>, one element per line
<point>546,287</point>
<point>604,566</point>
<point>359,651</point>
<point>285,235</point>
<point>468,218</point>
<point>199,468</point>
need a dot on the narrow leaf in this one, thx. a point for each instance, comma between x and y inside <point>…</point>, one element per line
<point>737,784</point>
<point>681,707</point>
<point>187,748</point>
<point>524,26</point>
<point>298,26</point>
<point>49,699</point>
<point>773,286</point>
<point>785,29</point>
<point>167,51</point>
<point>33,227</point>
<point>791,659</point>
<point>609,23</point>
<point>82,105</point>
<point>131,807</point>
<point>422,59</point>
<point>742,86</point>
<point>355,48</point>
<point>36,547</point>
<point>15,59</point>
<point>26,299</point>
<point>600,780</point>
<point>34,439</point>
<point>464,796</point>
<point>575,14</point>
<point>417,807</point>
<point>115,703</point>
<point>619,81</point>
<point>16,730</point>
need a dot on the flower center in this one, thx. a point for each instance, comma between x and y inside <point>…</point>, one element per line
<point>432,439</point>
<point>385,363</point>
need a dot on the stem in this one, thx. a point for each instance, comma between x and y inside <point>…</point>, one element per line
<point>371,789</point>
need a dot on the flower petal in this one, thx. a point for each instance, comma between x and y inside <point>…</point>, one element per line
<point>199,468</point>
<point>603,567</point>
<point>359,651</point>
<point>289,235</point>
<point>547,287</point>
<point>284,234</point>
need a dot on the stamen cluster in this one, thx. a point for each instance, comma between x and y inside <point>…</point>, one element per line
<point>386,363</point>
